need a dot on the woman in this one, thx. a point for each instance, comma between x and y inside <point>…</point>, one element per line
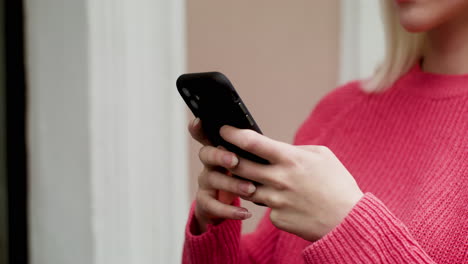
<point>378,172</point>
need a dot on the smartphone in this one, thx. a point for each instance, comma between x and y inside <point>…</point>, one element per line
<point>211,97</point>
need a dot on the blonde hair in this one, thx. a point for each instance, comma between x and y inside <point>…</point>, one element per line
<point>402,51</point>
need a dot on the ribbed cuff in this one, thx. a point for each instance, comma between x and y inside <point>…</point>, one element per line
<point>219,244</point>
<point>369,234</point>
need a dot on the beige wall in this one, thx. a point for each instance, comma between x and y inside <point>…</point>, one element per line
<point>282,57</point>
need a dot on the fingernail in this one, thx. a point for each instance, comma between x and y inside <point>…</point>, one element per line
<point>235,160</point>
<point>243,214</point>
<point>247,187</point>
<point>195,121</point>
<point>230,160</point>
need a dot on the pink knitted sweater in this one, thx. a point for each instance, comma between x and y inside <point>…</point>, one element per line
<point>408,150</point>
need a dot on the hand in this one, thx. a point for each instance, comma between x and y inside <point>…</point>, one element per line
<point>307,188</point>
<point>217,188</point>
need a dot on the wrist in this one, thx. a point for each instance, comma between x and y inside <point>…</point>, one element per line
<point>344,207</point>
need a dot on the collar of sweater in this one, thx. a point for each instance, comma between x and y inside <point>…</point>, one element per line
<point>419,83</point>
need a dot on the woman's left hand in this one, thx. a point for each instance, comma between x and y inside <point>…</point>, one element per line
<point>307,188</point>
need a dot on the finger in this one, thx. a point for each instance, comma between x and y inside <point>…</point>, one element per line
<point>196,132</point>
<point>265,195</point>
<point>210,206</point>
<point>261,173</point>
<point>255,143</point>
<point>216,180</point>
<point>259,196</point>
<point>211,156</point>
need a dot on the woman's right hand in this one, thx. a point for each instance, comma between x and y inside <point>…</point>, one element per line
<point>217,189</point>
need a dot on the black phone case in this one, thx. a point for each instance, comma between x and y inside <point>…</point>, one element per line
<point>211,97</point>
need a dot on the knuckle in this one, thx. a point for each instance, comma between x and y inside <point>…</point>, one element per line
<point>281,181</point>
<point>205,180</point>
<point>209,178</point>
<point>215,180</point>
<point>318,149</point>
<point>293,158</point>
<point>218,209</point>
<point>322,149</point>
<point>275,201</point>
<point>323,153</point>
<point>295,165</point>
<point>290,158</point>
<point>208,155</point>
<point>248,139</point>
<point>206,205</point>
<point>202,152</point>
<point>231,184</point>
<point>313,153</point>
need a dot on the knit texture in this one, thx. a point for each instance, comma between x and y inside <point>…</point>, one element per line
<point>408,150</point>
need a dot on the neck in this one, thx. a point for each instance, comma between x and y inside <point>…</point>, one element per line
<point>446,51</point>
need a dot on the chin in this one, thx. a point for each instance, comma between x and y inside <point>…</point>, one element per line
<point>424,16</point>
<point>416,27</point>
<point>418,20</point>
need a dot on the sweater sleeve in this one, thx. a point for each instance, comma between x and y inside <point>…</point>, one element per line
<point>369,234</point>
<point>224,244</point>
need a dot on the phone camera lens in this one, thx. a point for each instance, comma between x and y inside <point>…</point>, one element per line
<point>186,92</point>
<point>194,104</point>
